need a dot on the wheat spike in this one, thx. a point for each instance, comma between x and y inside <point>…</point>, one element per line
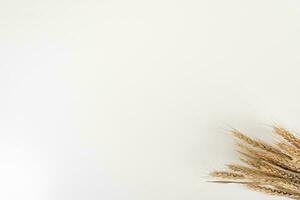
<point>289,149</point>
<point>268,168</point>
<point>288,136</point>
<point>256,143</point>
<point>227,175</point>
<point>272,191</point>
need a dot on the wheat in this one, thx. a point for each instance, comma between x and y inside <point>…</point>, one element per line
<point>291,150</point>
<point>255,143</point>
<point>288,136</point>
<point>227,175</point>
<point>272,169</point>
<point>272,191</point>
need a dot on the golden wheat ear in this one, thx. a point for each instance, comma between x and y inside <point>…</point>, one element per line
<point>287,135</point>
<point>270,168</point>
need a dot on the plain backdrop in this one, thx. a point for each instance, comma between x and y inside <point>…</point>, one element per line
<point>132,100</point>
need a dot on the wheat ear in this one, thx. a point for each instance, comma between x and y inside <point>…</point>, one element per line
<point>270,168</point>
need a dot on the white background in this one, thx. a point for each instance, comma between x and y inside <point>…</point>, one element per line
<point>131,100</point>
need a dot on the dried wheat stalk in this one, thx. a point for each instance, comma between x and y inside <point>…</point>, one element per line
<point>272,169</point>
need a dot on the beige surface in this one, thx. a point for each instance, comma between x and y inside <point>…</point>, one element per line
<point>131,99</point>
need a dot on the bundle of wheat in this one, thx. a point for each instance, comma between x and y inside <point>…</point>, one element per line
<point>272,169</point>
